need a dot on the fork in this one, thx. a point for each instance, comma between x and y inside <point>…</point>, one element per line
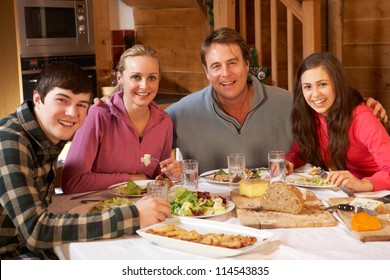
<point>322,173</point>
<point>147,161</point>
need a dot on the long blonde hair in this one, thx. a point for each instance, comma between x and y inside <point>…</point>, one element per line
<point>136,50</point>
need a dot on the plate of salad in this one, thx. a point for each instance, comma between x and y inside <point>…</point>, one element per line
<point>199,204</point>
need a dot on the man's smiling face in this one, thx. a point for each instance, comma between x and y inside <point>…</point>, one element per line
<point>61,113</point>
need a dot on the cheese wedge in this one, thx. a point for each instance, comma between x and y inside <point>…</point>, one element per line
<point>364,222</point>
<point>371,204</point>
<point>253,187</point>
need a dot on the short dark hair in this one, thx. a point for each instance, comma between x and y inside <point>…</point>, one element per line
<point>66,75</point>
<point>224,36</point>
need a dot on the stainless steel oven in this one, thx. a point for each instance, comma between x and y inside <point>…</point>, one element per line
<point>31,67</point>
<point>55,27</point>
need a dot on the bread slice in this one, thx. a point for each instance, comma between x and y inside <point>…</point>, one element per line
<point>282,197</point>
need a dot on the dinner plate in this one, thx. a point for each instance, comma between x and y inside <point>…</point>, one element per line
<point>82,209</point>
<point>205,226</point>
<point>208,177</point>
<point>229,207</point>
<point>299,181</point>
<point>115,188</point>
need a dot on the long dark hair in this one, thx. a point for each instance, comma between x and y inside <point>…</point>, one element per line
<point>305,120</point>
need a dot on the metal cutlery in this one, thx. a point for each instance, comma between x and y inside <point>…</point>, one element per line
<point>350,208</point>
<point>90,200</point>
<point>384,199</point>
<point>92,192</point>
<point>343,207</point>
<point>322,173</point>
<point>347,192</point>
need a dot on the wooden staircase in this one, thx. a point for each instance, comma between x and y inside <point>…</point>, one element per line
<point>176,29</point>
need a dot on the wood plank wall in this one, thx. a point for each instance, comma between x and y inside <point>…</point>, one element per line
<point>366,47</point>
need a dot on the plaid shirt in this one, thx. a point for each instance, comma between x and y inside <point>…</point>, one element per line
<point>28,164</point>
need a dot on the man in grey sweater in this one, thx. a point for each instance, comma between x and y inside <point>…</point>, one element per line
<point>235,113</point>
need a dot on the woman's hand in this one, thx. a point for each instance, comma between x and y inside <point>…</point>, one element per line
<point>171,168</point>
<point>378,109</point>
<point>152,210</point>
<point>345,179</point>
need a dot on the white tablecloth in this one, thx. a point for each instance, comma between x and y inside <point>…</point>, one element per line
<point>337,242</point>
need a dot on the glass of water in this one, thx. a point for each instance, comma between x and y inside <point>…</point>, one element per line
<point>189,174</point>
<point>236,166</point>
<point>277,166</point>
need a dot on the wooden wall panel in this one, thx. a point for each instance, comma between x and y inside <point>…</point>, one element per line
<point>370,78</point>
<point>104,63</point>
<point>363,9</point>
<point>161,3</point>
<point>366,55</point>
<point>179,82</point>
<point>176,33</point>
<point>173,16</point>
<point>366,47</point>
<point>366,31</point>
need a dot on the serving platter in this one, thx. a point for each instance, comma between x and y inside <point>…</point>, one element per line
<point>202,227</point>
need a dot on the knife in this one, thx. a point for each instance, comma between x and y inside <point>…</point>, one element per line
<point>350,208</point>
<point>343,207</point>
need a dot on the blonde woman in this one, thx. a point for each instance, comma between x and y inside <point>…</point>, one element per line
<point>109,146</point>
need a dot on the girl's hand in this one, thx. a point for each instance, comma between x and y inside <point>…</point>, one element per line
<point>289,167</point>
<point>345,179</point>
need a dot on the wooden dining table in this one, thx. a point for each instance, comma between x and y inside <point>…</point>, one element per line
<point>333,242</point>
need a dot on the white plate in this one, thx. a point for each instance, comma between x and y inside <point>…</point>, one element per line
<point>115,190</point>
<point>205,226</point>
<point>296,180</point>
<point>229,207</point>
<point>208,177</point>
<point>82,209</point>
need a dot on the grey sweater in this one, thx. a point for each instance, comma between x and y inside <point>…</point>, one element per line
<point>203,131</point>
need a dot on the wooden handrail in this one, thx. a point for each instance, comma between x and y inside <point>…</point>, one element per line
<point>306,11</point>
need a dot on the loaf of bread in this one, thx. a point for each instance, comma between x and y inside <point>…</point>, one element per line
<point>282,197</point>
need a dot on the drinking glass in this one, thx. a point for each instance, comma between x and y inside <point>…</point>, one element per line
<point>157,188</point>
<point>236,166</point>
<point>277,166</point>
<point>189,174</point>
